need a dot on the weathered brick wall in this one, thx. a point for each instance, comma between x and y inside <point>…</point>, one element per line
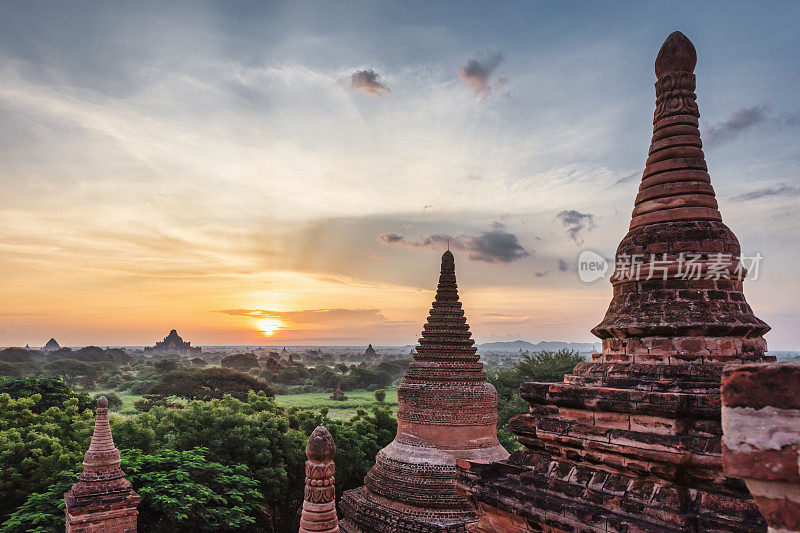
<point>631,441</point>
<point>761,443</point>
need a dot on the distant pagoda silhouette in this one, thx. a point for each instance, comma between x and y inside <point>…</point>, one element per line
<point>102,499</point>
<point>51,345</point>
<point>173,344</point>
<point>631,441</point>
<point>446,412</point>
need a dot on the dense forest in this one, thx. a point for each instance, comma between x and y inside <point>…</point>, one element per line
<point>205,444</point>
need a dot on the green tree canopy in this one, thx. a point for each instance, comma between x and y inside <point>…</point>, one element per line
<point>240,361</point>
<point>208,383</point>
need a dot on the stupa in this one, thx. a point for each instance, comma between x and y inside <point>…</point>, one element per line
<point>102,499</point>
<point>338,395</point>
<point>319,499</point>
<point>446,412</point>
<point>631,440</point>
<point>370,353</point>
<point>52,345</point>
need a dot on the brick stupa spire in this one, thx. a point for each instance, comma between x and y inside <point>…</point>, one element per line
<point>446,412</point>
<point>319,499</point>
<point>102,499</point>
<point>631,440</point>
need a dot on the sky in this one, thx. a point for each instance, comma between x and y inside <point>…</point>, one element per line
<point>289,173</point>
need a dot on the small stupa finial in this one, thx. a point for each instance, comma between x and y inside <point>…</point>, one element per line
<point>677,54</point>
<point>319,502</point>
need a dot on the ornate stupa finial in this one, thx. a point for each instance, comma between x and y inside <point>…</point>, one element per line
<point>319,501</point>
<point>677,54</point>
<point>102,499</point>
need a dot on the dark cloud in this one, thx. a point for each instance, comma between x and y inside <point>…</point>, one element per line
<point>367,81</point>
<point>563,266</point>
<point>391,238</point>
<point>493,246</point>
<point>740,121</point>
<point>576,222</point>
<point>477,73</point>
<point>781,189</point>
<point>541,274</point>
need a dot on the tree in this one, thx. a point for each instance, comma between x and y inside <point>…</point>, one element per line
<point>15,355</point>
<point>36,447</point>
<point>240,361</point>
<point>208,383</point>
<point>73,369</point>
<point>52,391</point>
<point>380,395</point>
<point>255,433</point>
<point>180,491</point>
<point>166,365</point>
<point>358,441</point>
<point>184,491</point>
<point>42,512</point>
<point>544,366</point>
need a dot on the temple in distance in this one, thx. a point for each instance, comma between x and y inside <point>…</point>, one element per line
<point>173,344</point>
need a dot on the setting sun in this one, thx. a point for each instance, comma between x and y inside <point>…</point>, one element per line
<point>269,325</point>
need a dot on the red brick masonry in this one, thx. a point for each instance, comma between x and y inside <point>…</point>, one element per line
<point>761,441</point>
<point>446,411</point>
<point>319,500</point>
<point>631,441</point>
<point>102,501</point>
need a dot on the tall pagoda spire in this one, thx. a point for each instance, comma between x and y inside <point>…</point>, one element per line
<point>688,280</point>
<point>102,499</point>
<point>631,441</point>
<point>446,412</point>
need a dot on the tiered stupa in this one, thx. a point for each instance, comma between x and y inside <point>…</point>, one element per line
<point>102,499</point>
<point>631,440</point>
<point>319,499</point>
<point>370,353</point>
<point>446,412</point>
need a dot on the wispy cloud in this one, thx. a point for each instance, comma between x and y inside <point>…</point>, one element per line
<point>782,189</point>
<point>576,223</point>
<point>740,121</point>
<point>627,178</point>
<point>367,81</point>
<point>495,245</point>
<point>478,72</point>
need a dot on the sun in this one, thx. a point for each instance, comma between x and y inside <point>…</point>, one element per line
<point>269,325</point>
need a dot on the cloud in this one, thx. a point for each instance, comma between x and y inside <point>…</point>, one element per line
<point>327,317</point>
<point>740,121</point>
<point>627,178</point>
<point>781,189</point>
<point>477,73</point>
<point>541,274</point>
<point>367,81</point>
<point>576,222</point>
<point>495,245</point>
